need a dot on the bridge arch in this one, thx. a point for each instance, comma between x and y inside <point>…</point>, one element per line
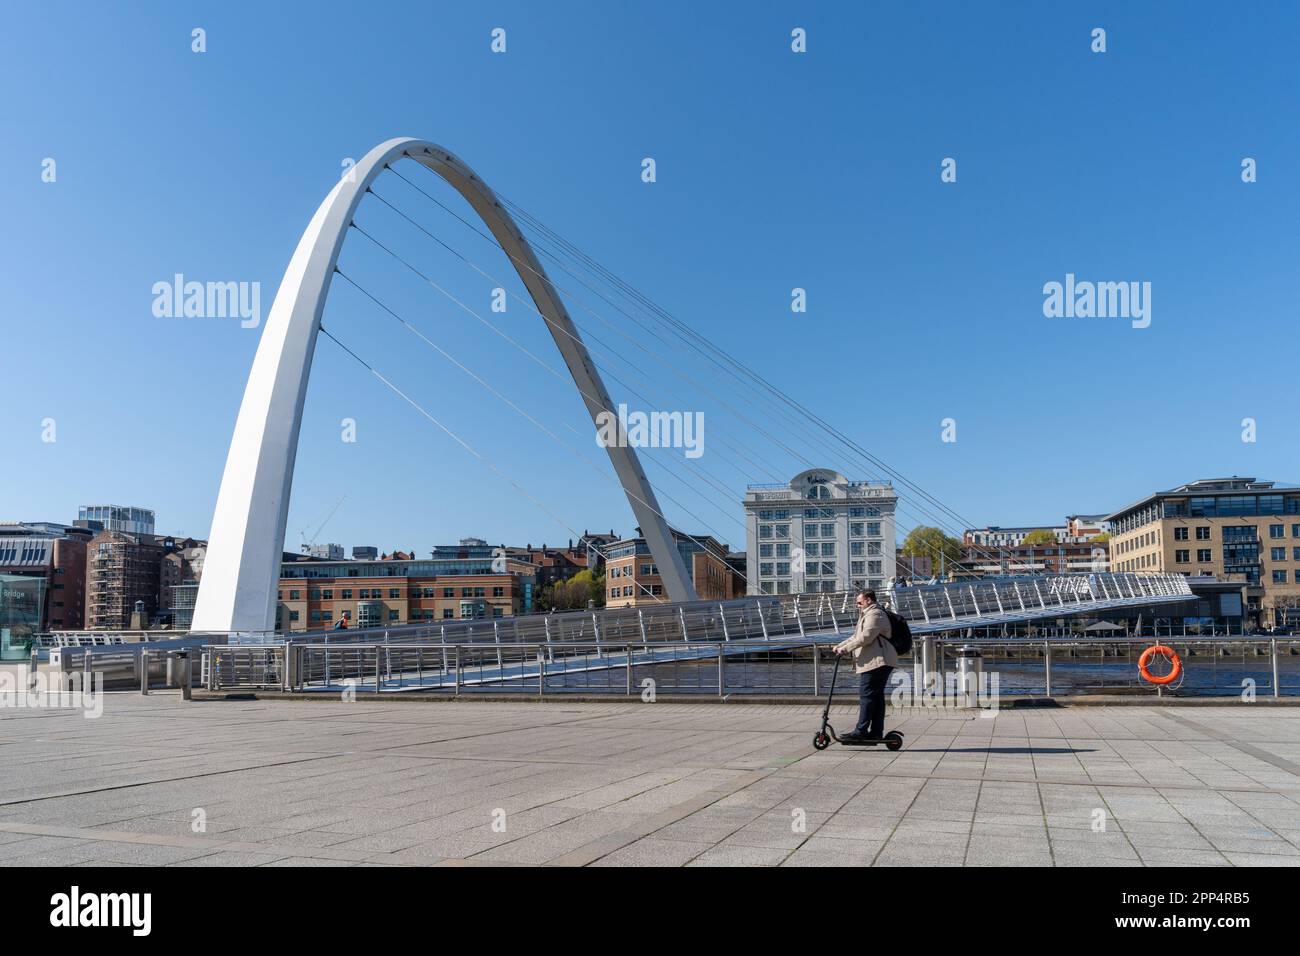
<point>241,571</point>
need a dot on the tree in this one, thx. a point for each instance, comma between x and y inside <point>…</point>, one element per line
<point>924,541</point>
<point>1040,537</point>
<point>573,594</point>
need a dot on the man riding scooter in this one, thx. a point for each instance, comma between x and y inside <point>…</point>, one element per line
<point>874,658</point>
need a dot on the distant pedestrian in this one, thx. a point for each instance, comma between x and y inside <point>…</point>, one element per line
<point>874,658</point>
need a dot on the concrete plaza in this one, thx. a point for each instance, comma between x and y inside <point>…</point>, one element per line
<point>334,783</point>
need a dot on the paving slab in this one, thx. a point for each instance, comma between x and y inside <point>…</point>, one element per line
<point>371,782</point>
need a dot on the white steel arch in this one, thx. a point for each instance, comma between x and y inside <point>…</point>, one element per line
<point>241,570</point>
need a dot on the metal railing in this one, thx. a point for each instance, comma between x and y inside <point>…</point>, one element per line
<point>932,607</point>
<point>1265,667</point>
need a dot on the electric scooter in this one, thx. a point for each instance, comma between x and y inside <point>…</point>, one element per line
<point>822,739</point>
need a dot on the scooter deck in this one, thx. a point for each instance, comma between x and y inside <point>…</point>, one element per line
<point>864,742</point>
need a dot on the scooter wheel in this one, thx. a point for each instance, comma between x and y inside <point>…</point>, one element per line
<point>821,741</point>
<point>893,740</point>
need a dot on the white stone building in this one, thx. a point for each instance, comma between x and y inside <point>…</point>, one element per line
<point>821,532</point>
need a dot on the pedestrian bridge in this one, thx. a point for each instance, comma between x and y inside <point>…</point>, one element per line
<point>524,648</point>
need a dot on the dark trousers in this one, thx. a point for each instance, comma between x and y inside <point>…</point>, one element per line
<point>871,702</point>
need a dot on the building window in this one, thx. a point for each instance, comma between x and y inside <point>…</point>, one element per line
<point>765,569</point>
<point>1180,533</point>
<point>1202,533</point>
<point>392,615</point>
<point>1203,555</point>
<point>499,591</point>
<point>448,613</point>
<point>765,531</point>
<point>810,531</point>
<point>856,529</point>
<point>1279,577</point>
<point>1278,554</point>
<point>395,592</point>
<point>1182,557</point>
<point>765,550</point>
<point>783,531</point>
<point>347,594</point>
<point>1277,531</point>
<point>873,529</point>
<point>782,569</point>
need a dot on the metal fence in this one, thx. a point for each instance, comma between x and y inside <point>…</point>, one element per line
<point>1268,667</point>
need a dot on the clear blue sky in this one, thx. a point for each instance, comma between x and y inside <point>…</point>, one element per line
<point>775,170</point>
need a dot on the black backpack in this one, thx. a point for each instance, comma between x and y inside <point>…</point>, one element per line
<point>900,632</point>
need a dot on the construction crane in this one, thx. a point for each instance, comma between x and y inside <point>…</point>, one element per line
<point>309,543</point>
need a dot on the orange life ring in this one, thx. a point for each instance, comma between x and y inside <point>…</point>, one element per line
<point>1174,673</point>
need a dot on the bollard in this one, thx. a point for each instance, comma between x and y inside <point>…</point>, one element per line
<point>1047,667</point>
<point>144,672</point>
<point>970,664</point>
<point>187,675</point>
<point>31,673</point>
<point>722,680</point>
<point>289,673</point>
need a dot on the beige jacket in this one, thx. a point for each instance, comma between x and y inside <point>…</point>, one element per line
<point>870,641</point>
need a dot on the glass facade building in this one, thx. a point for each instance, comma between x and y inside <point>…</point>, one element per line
<point>22,599</point>
<point>117,518</point>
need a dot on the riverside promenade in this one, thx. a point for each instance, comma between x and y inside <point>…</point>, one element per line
<point>159,781</point>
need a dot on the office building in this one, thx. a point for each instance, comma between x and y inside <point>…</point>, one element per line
<point>465,581</point>
<point>819,532</point>
<point>1235,529</point>
<point>632,576</point>
<point>57,554</point>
